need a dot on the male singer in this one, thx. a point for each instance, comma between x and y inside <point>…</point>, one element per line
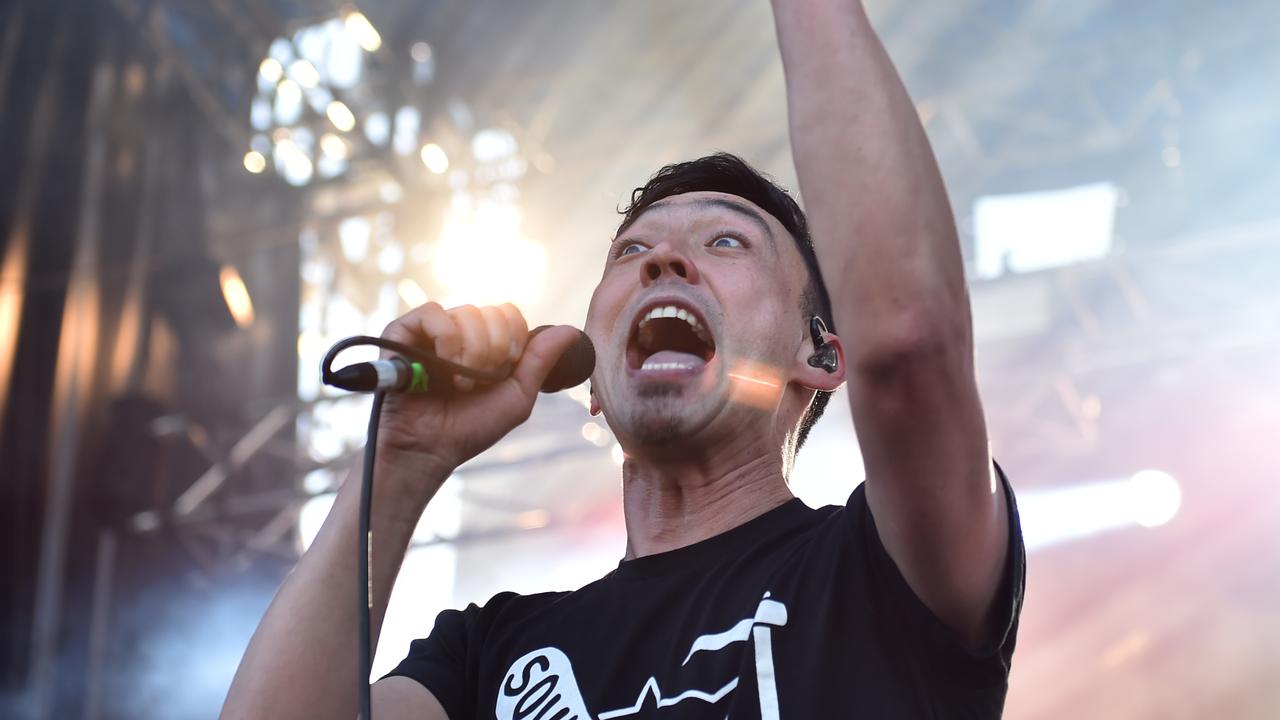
<point>716,350</point>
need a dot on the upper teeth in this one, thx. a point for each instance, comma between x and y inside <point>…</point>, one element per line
<point>671,311</point>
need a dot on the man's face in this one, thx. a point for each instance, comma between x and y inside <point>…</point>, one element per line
<point>696,321</point>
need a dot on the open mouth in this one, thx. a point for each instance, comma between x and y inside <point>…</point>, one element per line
<point>670,338</point>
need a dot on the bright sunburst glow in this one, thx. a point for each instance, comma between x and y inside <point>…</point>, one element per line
<point>483,258</point>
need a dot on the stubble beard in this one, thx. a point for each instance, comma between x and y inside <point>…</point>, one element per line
<point>659,415</point>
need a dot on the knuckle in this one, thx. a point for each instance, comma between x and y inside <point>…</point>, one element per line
<point>396,330</point>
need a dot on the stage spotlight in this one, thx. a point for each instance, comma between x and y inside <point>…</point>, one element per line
<point>1149,498</point>
<point>1155,497</point>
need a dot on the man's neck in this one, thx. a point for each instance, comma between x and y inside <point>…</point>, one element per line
<point>673,504</point>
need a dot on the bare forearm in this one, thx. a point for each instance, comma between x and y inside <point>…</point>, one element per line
<point>882,225</point>
<point>301,662</point>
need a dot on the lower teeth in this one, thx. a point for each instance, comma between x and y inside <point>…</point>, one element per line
<point>665,366</point>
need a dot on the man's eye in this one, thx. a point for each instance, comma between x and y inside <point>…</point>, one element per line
<point>631,249</point>
<point>726,241</point>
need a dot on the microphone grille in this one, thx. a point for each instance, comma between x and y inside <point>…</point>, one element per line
<point>573,367</point>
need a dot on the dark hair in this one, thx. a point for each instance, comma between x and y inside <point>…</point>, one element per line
<point>730,174</point>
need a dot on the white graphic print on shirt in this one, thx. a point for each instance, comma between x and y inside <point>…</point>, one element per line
<point>541,683</point>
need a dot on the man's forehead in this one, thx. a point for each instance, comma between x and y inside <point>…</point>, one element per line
<point>716,202</point>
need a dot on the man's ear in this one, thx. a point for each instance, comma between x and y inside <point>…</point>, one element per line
<point>811,374</point>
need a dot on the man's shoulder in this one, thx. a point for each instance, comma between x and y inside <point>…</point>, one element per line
<point>508,601</point>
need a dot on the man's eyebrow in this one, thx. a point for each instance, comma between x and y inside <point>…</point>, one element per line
<point>740,208</point>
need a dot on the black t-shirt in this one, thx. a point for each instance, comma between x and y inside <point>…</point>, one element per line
<point>796,614</point>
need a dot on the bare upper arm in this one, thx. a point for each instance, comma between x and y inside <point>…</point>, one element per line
<point>931,486</point>
<point>400,697</point>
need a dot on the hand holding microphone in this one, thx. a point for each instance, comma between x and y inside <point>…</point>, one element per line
<point>453,417</point>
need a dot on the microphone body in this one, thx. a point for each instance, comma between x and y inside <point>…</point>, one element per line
<point>394,375</point>
<point>397,375</point>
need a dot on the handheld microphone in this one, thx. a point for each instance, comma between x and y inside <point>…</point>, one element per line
<point>398,375</point>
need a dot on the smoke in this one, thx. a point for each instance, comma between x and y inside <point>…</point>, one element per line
<point>177,649</point>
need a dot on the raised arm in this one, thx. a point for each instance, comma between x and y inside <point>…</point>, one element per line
<point>887,246</point>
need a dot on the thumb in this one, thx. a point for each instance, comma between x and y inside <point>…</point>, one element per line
<point>541,354</point>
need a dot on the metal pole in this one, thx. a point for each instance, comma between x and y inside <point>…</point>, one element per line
<point>72,390</point>
<point>104,572</point>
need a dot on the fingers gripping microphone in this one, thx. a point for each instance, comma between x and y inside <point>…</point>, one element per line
<point>433,374</point>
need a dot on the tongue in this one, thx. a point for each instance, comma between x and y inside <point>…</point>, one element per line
<point>663,357</point>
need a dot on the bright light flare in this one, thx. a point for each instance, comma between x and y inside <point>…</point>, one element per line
<point>1049,517</point>
<point>482,258</point>
<point>1155,497</point>
<point>434,158</point>
<point>236,295</point>
<point>340,115</point>
<point>755,384</point>
<point>363,31</point>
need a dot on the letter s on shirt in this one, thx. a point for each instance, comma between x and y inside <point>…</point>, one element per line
<point>541,684</point>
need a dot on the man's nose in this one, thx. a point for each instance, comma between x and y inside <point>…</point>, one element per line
<point>664,261</point>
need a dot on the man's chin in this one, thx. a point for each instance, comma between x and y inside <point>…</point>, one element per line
<point>663,415</point>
